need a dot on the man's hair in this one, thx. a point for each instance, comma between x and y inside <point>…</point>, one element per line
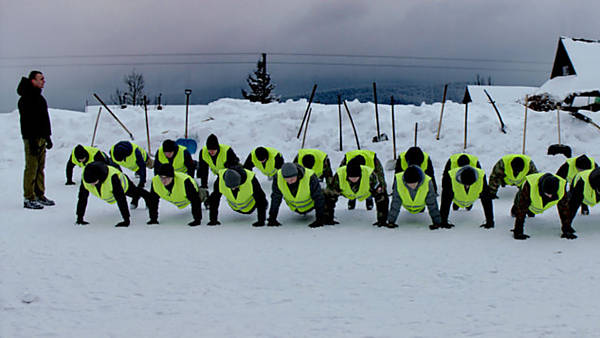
<point>33,74</point>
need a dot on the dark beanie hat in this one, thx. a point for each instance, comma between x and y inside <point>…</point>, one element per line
<point>414,155</point>
<point>549,184</point>
<point>289,170</point>
<point>468,176</point>
<point>95,171</point>
<point>232,178</point>
<point>169,146</point>
<point>212,142</point>
<point>308,161</point>
<point>261,153</point>
<point>463,160</point>
<point>517,165</point>
<point>353,170</point>
<point>595,179</point>
<point>357,160</point>
<point>412,174</point>
<point>583,163</point>
<point>122,150</point>
<point>166,169</point>
<point>80,152</point>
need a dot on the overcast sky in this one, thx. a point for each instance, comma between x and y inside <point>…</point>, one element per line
<point>39,34</point>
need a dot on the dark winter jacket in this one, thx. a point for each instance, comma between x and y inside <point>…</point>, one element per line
<point>33,111</point>
<point>187,161</point>
<point>118,193</point>
<point>315,194</point>
<point>99,157</point>
<point>248,164</point>
<point>429,171</point>
<point>259,197</point>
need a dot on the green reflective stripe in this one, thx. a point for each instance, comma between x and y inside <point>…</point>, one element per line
<point>423,165</point>
<point>536,206</point>
<point>178,161</point>
<point>319,156</point>
<point>244,200</point>
<point>461,197</point>
<point>368,155</point>
<point>573,168</point>
<point>91,154</point>
<point>509,177</point>
<point>589,194</point>
<point>130,161</point>
<point>302,202</point>
<point>454,160</point>
<point>268,168</point>
<point>364,189</point>
<point>416,205</point>
<point>106,189</point>
<point>221,158</point>
<point>177,195</point>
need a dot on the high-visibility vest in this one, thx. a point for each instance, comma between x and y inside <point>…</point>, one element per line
<point>368,155</point>
<point>221,158</point>
<point>177,195</point>
<point>244,200</point>
<point>364,189</point>
<point>454,160</point>
<point>106,188</point>
<point>416,205</point>
<point>130,161</point>
<point>589,194</point>
<point>510,177</point>
<point>573,168</point>
<point>319,156</point>
<point>302,202</point>
<point>423,164</point>
<point>268,168</point>
<point>537,205</point>
<point>461,197</point>
<point>178,161</point>
<point>92,151</point>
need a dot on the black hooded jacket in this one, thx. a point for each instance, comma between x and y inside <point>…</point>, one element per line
<point>33,111</point>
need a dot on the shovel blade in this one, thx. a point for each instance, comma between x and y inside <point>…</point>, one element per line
<point>189,143</point>
<point>556,149</point>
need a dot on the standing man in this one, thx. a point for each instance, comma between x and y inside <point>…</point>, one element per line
<point>36,131</point>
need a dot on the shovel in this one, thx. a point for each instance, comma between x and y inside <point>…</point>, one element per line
<point>189,143</point>
<point>559,148</point>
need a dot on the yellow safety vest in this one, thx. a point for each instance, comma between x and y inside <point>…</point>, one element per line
<point>368,155</point>
<point>573,169</point>
<point>423,164</point>
<point>268,168</point>
<point>416,205</point>
<point>509,177</point>
<point>364,189</point>
<point>461,197</point>
<point>130,161</point>
<point>244,201</point>
<point>178,161</point>
<point>536,205</point>
<point>319,156</point>
<point>92,151</point>
<point>177,195</point>
<point>106,189</point>
<point>454,160</point>
<point>589,194</point>
<point>302,202</point>
<point>221,158</point>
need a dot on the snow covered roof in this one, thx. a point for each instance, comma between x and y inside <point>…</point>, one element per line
<point>576,69</point>
<point>501,94</point>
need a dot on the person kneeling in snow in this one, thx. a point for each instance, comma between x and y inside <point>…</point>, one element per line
<point>413,190</point>
<point>300,189</point>
<point>176,187</point>
<point>110,185</point>
<point>243,194</point>
<point>538,193</point>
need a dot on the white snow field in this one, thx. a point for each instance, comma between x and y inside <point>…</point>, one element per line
<point>349,280</point>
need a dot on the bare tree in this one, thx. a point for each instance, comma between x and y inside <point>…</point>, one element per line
<point>135,87</point>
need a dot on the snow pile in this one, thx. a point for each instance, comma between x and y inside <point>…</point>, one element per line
<point>58,279</point>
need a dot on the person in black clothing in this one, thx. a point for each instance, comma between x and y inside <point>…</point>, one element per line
<point>35,131</point>
<point>584,190</point>
<point>462,161</point>
<point>166,177</point>
<point>235,181</point>
<point>262,155</point>
<point>416,156</point>
<point>213,152</point>
<point>95,175</point>
<point>82,158</point>
<point>573,166</point>
<point>171,150</point>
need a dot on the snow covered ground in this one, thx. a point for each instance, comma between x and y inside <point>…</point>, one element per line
<point>349,280</point>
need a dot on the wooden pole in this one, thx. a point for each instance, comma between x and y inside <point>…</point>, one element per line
<point>525,122</point>
<point>393,127</point>
<point>312,95</point>
<point>493,103</point>
<point>113,115</point>
<point>188,92</point>
<point>466,109</point>
<point>442,112</point>
<point>376,110</point>
<point>416,129</point>
<point>352,123</point>
<point>96,126</point>
<point>340,119</point>
<point>306,127</point>
<point>558,122</point>
<point>147,128</point>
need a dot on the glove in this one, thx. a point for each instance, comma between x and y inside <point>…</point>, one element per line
<point>203,193</point>
<point>446,225</point>
<point>487,225</point>
<point>493,196</point>
<point>391,225</point>
<point>80,221</point>
<point>568,235</point>
<point>70,182</point>
<point>125,223</point>
<point>258,224</point>
<point>152,221</point>
<point>273,223</point>
<point>317,223</point>
<point>214,223</point>
<point>194,223</point>
<point>49,143</point>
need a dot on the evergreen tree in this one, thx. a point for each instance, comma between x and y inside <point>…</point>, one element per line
<point>260,84</point>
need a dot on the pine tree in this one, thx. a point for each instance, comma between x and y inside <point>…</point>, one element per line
<point>260,84</point>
